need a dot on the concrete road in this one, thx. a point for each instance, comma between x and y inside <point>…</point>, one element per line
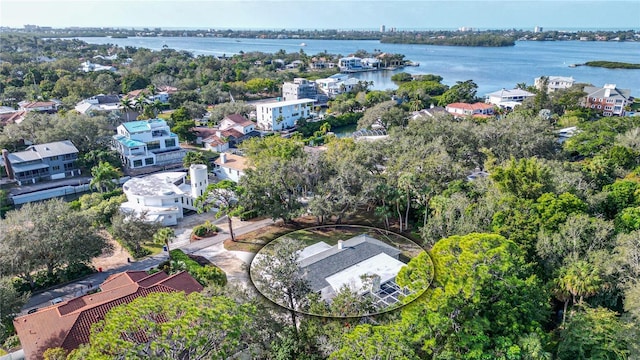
<point>212,248</point>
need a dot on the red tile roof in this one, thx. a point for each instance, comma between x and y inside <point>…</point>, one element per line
<point>13,117</point>
<point>476,106</point>
<point>37,104</point>
<point>232,132</point>
<point>239,119</point>
<point>68,324</point>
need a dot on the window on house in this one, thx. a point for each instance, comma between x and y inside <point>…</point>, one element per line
<point>137,163</point>
<point>152,145</point>
<point>54,158</point>
<point>169,142</point>
<point>56,168</point>
<point>68,166</point>
<point>148,161</point>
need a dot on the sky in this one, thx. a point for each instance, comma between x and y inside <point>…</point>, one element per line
<point>327,14</point>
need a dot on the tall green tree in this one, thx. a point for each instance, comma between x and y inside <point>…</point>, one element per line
<point>482,299</point>
<point>170,326</point>
<point>594,334</point>
<point>47,236</point>
<point>276,274</point>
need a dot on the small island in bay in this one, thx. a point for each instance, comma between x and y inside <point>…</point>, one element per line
<point>612,64</point>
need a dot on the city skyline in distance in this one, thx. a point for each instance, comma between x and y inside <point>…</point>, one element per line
<point>318,15</point>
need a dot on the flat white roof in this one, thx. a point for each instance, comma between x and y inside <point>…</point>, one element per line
<point>382,265</point>
<point>162,184</point>
<point>276,104</point>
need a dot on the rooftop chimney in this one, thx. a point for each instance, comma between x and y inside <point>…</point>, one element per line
<point>223,158</point>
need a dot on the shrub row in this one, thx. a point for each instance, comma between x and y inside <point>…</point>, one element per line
<point>205,275</point>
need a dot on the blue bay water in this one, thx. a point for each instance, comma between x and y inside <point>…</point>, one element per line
<point>491,68</point>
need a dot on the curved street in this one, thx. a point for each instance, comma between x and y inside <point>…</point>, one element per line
<point>234,263</point>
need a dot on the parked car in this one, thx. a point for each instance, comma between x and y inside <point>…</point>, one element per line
<point>56,301</point>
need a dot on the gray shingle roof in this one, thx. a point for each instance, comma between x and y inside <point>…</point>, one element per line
<point>601,92</point>
<point>41,151</point>
<point>355,250</point>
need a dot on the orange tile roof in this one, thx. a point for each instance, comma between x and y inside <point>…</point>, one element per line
<point>68,324</point>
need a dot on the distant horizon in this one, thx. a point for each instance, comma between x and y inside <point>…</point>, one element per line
<point>323,14</point>
<point>574,29</point>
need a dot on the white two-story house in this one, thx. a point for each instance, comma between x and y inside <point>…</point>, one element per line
<point>280,115</point>
<point>147,143</point>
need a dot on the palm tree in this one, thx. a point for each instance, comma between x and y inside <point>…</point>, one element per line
<point>103,175</point>
<point>579,279</point>
<point>127,105</point>
<point>325,127</point>
<point>163,237</point>
<point>415,105</point>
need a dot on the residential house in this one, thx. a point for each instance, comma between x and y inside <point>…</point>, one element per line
<point>11,116</point>
<point>40,106</point>
<point>88,66</point>
<point>337,84</point>
<point>554,83</point>
<point>350,64</point>
<point>233,130</point>
<point>107,105</point>
<point>230,166</point>
<point>371,63</point>
<point>162,197</point>
<point>508,98</point>
<point>68,324</point>
<point>43,162</point>
<point>609,100</point>
<point>328,268</point>
<point>475,110</point>
<point>302,88</point>
<point>280,115</point>
<point>147,143</point>
<point>432,112</point>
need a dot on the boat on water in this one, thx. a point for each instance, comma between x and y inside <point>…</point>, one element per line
<point>303,44</point>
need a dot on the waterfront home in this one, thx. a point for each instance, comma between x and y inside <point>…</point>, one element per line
<point>280,115</point>
<point>350,63</point>
<point>67,324</point>
<point>147,143</point>
<point>336,84</point>
<point>508,98</point>
<point>608,100</point>
<point>302,88</point>
<point>42,162</point>
<point>162,197</point>
<point>230,166</point>
<point>475,110</point>
<point>554,83</point>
